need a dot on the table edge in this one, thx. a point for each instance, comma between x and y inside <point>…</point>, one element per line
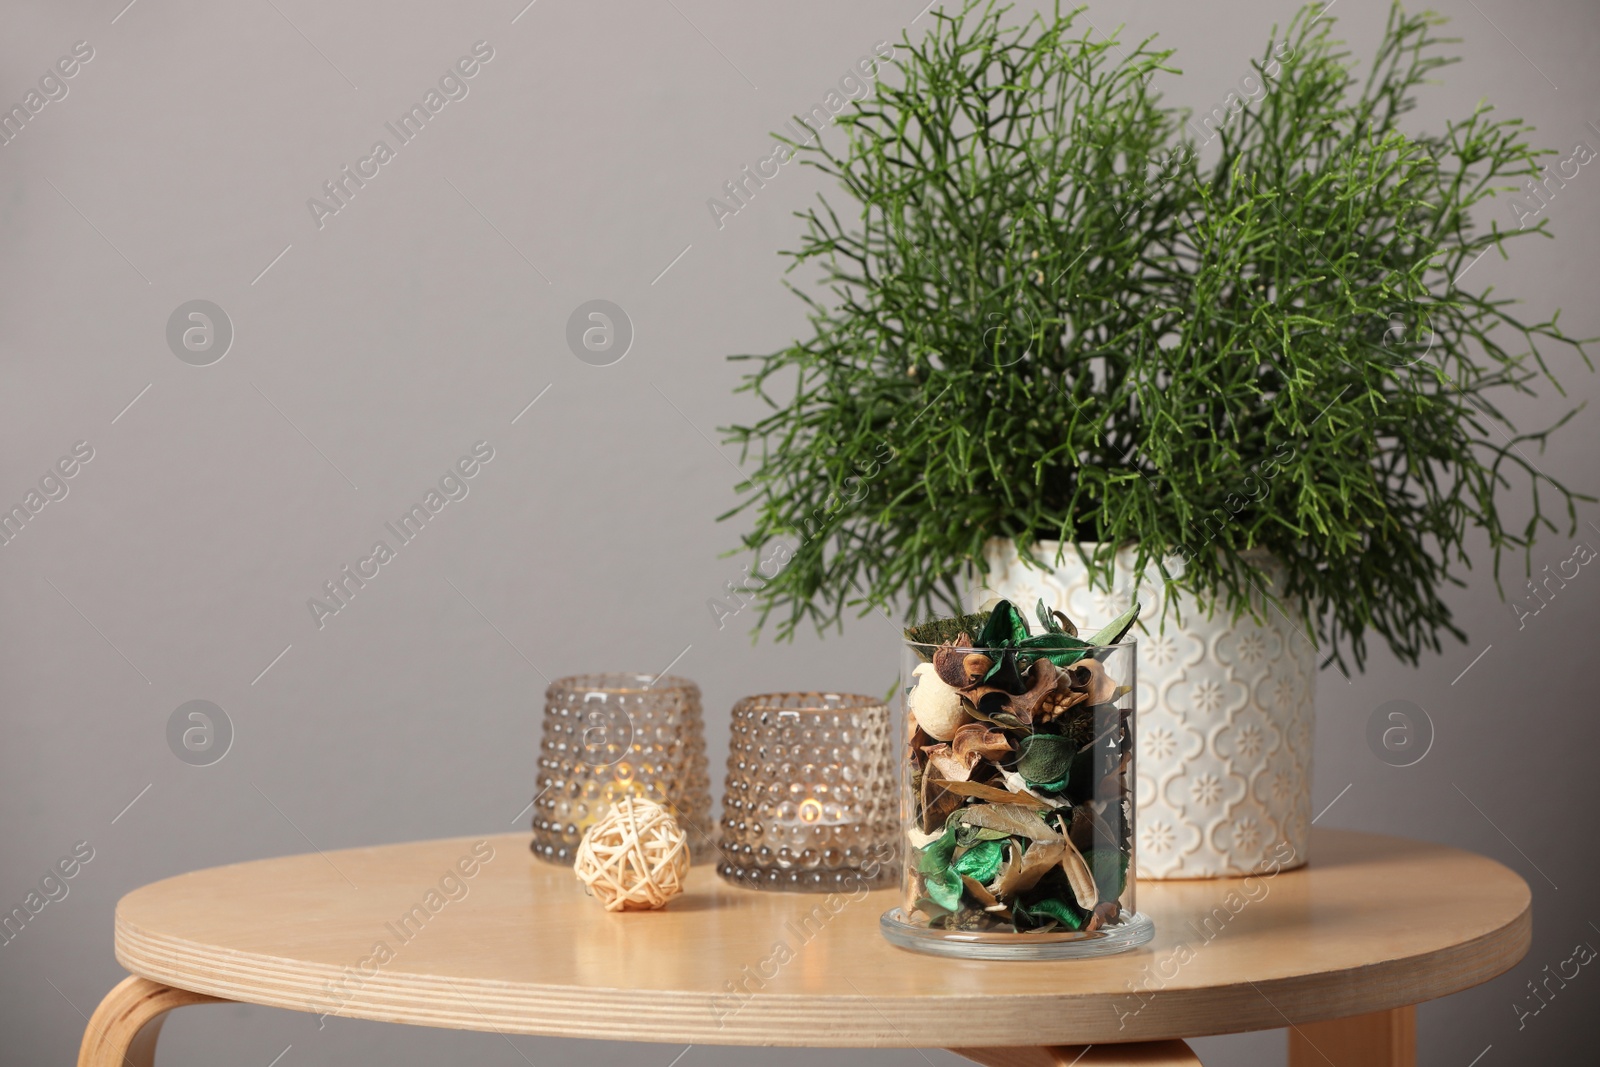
<point>792,1020</point>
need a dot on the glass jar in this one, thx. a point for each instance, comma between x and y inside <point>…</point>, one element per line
<point>1017,803</point>
<point>607,736</point>
<point>809,801</point>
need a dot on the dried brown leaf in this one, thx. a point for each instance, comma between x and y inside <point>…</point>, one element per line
<point>1017,819</point>
<point>1079,876</point>
<point>990,793</point>
<point>938,803</point>
<point>1018,875</point>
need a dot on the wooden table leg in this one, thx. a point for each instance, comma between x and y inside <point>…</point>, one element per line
<point>1382,1039</point>
<point>123,1029</point>
<point>1142,1054</point>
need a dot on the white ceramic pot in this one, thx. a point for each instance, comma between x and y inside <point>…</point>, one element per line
<point>1224,725</point>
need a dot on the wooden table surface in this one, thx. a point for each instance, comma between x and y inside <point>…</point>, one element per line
<point>399,933</point>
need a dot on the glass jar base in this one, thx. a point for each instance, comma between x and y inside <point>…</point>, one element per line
<point>1134,930</point>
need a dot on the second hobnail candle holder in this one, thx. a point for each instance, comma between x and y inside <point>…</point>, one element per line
<point>809,803</point>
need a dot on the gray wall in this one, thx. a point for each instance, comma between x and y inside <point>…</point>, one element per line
<point>422,318</point>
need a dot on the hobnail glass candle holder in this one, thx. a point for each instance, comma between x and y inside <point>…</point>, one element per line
<point>1017,808</point>
<point>607,736</point>
<point>809,800</point>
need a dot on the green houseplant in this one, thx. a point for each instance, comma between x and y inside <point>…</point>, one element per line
<point>1060,325</point>
<point>1047,320</point>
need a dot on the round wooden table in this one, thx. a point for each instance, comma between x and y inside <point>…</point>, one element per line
<point>476,934</point>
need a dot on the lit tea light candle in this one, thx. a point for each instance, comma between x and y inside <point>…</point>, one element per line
<point>592,756</point>
<point>809,800</point>
<point>624,784</point>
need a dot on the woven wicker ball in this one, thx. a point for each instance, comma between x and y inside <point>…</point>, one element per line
<point>635,857</point>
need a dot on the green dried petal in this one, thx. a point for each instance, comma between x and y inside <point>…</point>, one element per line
<point>1005,628</point>
<point>1061,649</point>
<point>981,861</point>
<point>944,889</point>
<point>1054,642</point>
<point>935,858</point>
<point>1117,628</point>
<point>1040,912</point>
<point>1046,758</point>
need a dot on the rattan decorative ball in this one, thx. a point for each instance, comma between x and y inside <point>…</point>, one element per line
<point>635,857</point>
